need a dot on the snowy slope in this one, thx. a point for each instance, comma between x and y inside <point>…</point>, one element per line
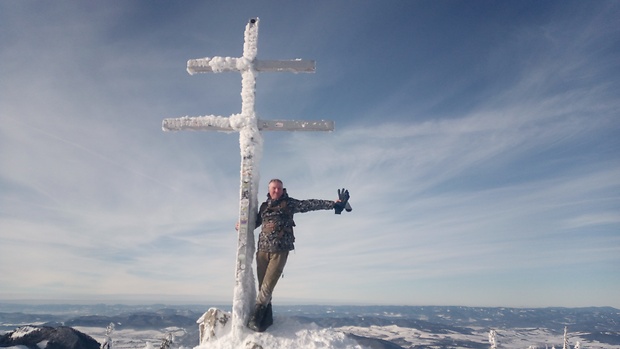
<point>390,327</point>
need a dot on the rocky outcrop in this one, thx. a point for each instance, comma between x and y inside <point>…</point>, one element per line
<point>213,324</point>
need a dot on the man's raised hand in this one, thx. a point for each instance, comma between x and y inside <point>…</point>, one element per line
<point>343,198</point>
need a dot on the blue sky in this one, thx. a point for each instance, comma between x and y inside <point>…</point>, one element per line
<point>479,141</point>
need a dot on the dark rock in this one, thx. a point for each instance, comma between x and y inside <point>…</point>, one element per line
<point>45,337</point>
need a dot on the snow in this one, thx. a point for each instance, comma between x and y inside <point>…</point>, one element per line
<point>217,64</point>
<point>250,44</point>
<point>23,331</point>
<point>285,334</point>
<point>209,122</point>
<point>251,145</point>
<point>290,332</point>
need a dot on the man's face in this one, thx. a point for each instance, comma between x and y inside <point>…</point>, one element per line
<point>275,190</point>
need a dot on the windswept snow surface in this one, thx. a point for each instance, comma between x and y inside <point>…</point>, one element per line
<point>287,333</point>
<point>290,333</point>
<point>337,327</point>
<point>284,333</point>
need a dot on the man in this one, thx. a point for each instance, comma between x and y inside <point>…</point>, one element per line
<point>276,239</point>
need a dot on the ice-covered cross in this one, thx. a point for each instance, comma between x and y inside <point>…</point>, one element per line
<point>250,140</point>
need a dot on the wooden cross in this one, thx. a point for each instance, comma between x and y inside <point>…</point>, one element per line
<point>250,141</point>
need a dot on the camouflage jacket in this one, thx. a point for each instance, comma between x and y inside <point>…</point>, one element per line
<point>275,217</point>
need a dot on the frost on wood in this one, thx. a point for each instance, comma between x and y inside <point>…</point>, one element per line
<point>208,122</point>
<point>294,125</point>
<point>227,64</point>
<point>250,144</point>
<point>217,65</point>
<point>238,121</point>
<point>250,39</point>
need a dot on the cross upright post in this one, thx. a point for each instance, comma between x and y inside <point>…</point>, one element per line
<point>250,141</point>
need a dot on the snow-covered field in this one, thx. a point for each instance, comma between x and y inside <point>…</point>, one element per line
<point>287,333</point>
<point>341,327</point>
<point>506,338</point>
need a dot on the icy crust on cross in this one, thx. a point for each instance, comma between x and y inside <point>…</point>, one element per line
<point>223,124</point>
<point>217,64</point>
<point>250,142</point>
<point>233,123</point>
<point>211,122</point>
<point>222,64</point>
<point>226,64</point>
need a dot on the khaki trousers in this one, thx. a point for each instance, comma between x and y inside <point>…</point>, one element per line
<point>269,267</point>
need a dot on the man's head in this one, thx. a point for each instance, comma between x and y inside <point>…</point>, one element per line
<point>275,189</point>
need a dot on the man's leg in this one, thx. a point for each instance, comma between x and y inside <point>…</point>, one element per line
<point>262,261</point>
<point>269,267</point>
<point>273,271</point>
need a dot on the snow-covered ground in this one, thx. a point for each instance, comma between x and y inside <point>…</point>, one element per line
<point>290,333</point>
<point>506,338</point>
<point>338,327</point>
<point>285,333</point>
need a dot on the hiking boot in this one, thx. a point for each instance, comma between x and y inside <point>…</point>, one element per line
<point>268,320</point>
<point>257,318</point>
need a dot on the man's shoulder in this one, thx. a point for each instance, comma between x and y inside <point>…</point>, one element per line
<point>263,206</point>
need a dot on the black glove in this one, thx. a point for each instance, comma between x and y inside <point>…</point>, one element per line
<point>343,196</point>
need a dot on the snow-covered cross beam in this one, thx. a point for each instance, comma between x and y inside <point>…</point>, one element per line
<point>218,123</point>
<point>250,141</point>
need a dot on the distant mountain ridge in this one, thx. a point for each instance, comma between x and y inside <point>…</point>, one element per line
<point>555,318</point>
